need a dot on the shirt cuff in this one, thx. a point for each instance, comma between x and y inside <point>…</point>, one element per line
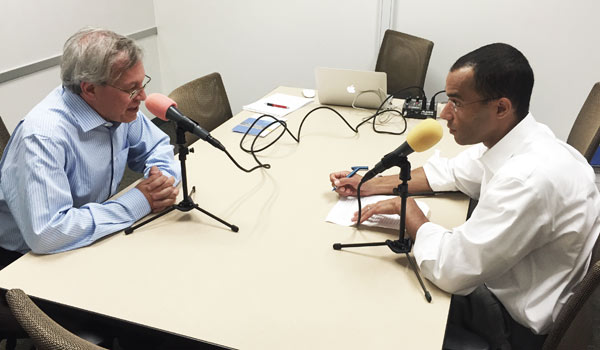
<point>428,242</point>
<point>135,201</point>
<point>174,171</point>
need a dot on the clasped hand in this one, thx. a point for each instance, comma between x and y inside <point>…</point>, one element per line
<point>158,190</point>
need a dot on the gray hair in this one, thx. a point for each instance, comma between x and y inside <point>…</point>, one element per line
<point>97,56</point>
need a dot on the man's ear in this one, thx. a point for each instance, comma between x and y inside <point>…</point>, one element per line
<point>505,108</point>
<point>88,91</point>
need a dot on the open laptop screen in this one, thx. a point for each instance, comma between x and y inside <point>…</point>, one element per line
<point>343,87</point>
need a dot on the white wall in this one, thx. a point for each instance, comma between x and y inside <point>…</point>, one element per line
<point>558,37</point>
<point>32,30</point>
<point>260,44</point>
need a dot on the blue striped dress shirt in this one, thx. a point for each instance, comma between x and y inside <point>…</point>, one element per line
<point>60,166</point>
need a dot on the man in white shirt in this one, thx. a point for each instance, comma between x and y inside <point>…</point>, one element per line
<point>529,241</point>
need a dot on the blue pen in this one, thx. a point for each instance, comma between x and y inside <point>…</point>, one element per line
<point>354,170</point>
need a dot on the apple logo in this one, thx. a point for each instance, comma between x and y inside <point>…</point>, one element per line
<point>351,89</point>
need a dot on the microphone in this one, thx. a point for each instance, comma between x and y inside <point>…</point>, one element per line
<point>421,138</point>
<point>166,109</point>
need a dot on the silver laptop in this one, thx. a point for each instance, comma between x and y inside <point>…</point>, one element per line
<point>343,87</point>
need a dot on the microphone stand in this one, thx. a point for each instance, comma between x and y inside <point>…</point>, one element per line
<point>187,203</point>
<point>401,245</point>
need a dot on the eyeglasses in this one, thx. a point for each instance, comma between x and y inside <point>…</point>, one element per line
<point>133,93</point>
<point>456,105</point>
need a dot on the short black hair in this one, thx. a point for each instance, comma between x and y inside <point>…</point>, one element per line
<point>500,70</point>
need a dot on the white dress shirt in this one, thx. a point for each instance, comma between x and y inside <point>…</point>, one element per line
<point>531,236</point>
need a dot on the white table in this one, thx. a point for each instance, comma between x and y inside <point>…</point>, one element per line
<point>277,283</point>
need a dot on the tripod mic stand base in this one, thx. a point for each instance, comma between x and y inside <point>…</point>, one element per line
<point>187,203</point>
<point>397,246</point>
<point>185,206</point>
<point>338,246</point>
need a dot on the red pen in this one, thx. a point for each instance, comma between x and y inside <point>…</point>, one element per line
<point>276,105</point>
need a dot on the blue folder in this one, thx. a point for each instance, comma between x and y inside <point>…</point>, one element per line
<point>596,159</point>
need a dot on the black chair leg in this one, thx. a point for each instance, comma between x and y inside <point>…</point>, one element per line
<point>11,343</point>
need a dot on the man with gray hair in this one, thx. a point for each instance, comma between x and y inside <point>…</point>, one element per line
<point>66,158</point>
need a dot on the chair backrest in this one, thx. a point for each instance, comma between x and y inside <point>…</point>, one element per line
<point>203,100</point>
<point>404,58</point>
<point>4,136</point>
<point>585,133</point>
<point>10,329</point>
<point>578,323</point>
<point>472,205</point>
<point>44,332</point>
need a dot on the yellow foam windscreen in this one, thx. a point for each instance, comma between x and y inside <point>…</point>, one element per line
<point>424,135</point>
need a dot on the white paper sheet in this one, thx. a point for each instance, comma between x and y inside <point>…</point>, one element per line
<point>343,211</point>
<point>291,102</point>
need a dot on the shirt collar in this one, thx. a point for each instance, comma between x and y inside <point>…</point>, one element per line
<point>83,113</point>
<point>510,144</point>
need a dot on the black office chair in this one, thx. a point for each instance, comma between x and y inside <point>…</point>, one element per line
<point>4,136</point>
<point>129,177</point>
<point>44,332</point>
<point>10,330</point>
<point>585,133</point>
<point>404,58</point>
<point>203,100</point>
<point>472,205</point>
<point>577,325</point>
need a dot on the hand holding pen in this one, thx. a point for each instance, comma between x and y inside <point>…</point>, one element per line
<point>344,182</point>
